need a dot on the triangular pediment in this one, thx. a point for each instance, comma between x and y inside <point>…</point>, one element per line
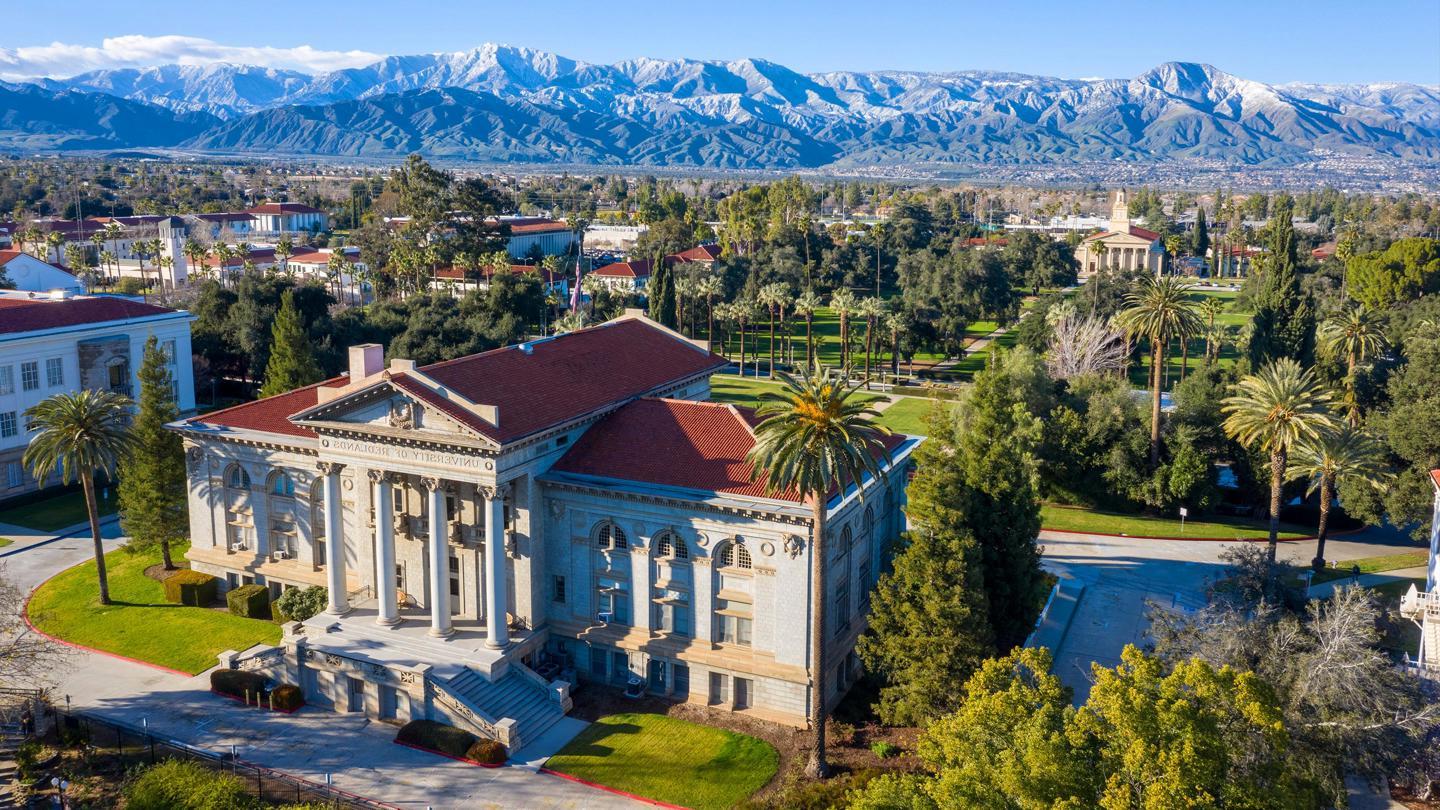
<point>385,410</point>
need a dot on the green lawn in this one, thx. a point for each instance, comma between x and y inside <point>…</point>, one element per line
<point>53,514</point>
<point>140,624</point>
<point>1073,519</point>
<point>1372,565</point>
<point>669,760</point>
<point>910,415</point>
<point>747,390</point>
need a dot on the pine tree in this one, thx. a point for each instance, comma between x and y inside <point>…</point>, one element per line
<point>929,621</point>
<point>152,487</point>
<point>995,449</point>
<point>662,295</point>
<point>1201,240</point>
<point>292,361</point>
<point>1284,316</point>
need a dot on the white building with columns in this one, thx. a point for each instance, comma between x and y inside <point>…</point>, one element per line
<point>494,528</point>
<point>1123,246</point>
<point>1423,607</point>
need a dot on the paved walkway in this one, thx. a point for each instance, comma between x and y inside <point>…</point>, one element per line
<point>358,753</point>
<point>1325,589</point>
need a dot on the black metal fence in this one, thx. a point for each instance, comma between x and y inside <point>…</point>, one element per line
<point>131,747</point>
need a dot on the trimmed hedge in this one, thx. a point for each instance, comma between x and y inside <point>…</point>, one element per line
<point>287,697</point>
<point>193,588</point>
<point>299,604</point>
<point>250,601</point>
<point>486,752</point>
<point>236,682</point>
<point>435,736</point>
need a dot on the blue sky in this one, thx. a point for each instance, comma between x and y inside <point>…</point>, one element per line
<point>1267,40</point>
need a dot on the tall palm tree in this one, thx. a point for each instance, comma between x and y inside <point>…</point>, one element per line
<point>195,252</point>
<point>807,304</point>
<point>743,310</point>
<point>1328,459</point>
<point>112,232</point>
<point>843,302</point>
<point>1159,309</point>
<point>816,437</point>
<point>872,309</point>
<point>725,313</point>
<point>895,324</point>
<point>53,242</point>
<point>1356,335</point>
<point>97,240</point>
<point>284,249</point>
<point>79,435</point>
<point>1210,309</point>
<point>1273,410</point>
<point>772,297</point>
<point>709,287</point>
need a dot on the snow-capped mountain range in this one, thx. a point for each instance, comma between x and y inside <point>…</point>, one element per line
<point>502,103</point>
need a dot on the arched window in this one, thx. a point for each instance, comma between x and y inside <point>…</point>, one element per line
<point>238,478</point>
<point>735,555</point>
<point>869,520</point>
<point>611,536</point>
<point>669,546</point>
<point>283,485</point>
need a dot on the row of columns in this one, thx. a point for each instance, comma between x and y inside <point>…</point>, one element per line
<point>496,586</point>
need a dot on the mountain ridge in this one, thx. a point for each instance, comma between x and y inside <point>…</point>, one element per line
<point>501,103</point>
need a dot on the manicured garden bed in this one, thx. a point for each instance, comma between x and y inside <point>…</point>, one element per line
<point>668,760</point>
<point>1074,519</point>
<point>139,623</point>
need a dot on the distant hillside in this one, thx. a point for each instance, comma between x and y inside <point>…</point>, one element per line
<point>34,118</point>
<point>498,103</point>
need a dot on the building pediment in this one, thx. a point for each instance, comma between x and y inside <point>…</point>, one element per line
<point>384,411</point>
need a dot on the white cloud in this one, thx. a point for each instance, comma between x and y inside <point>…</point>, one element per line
<point>60,59</point>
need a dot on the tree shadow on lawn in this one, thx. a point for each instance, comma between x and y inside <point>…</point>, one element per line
<point>592,747</point>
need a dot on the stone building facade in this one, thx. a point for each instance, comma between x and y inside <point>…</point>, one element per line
<point>599,524</point>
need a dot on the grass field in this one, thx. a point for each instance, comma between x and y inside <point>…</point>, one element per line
<point>1073,519</point>
<point>140,623</point>
<point>1174,361</point>
<point>747,390</point>
<point>1373,565</point>
<point>53,514</point>
<point>907,415</point>
<point>910,415</point>
<point>669,760</point>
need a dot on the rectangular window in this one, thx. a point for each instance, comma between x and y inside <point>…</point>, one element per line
<point>598,656</point>
<point>7,380</point>
<point>8,425</point>
<point>719,688</point>
<point>557,589</point>
<point>55,372</point>
<point>842,608</point>
<point>14,474</point>
<point>30,375</point>
<point>168,347</point>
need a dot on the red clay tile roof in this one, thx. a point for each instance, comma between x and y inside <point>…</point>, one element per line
<point>27,315</point>
<point>283,208</point>
<point>699,253</point>
<point>458,273</point>
<point>557,380</point>
<point>640,268</point>
<point>678,443</point>
<point>1136,230</point>
<point>534,225</point>
<point>271,415</point>
<point>1435,476</point>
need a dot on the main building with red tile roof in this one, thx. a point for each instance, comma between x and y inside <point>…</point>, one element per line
<point>1122,246</point>
<point>574,504</point>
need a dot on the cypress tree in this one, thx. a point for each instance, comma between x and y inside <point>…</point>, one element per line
<point>662,295</point>
<point>1284,316</point>
<point>929,619</point>
<point>292,362</point>
<point>1201,240</point>
<point>995,448</point>
<point>152,475</point>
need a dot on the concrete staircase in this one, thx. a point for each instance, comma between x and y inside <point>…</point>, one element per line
<point>514,696</point>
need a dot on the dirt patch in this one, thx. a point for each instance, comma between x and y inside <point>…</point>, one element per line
<point>848,746</point>
<point>158,573</point>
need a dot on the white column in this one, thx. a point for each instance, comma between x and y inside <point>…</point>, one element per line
<point>439,560</point>
<point>497,630</point>
<point>334,540</point>
<point>385,586</point>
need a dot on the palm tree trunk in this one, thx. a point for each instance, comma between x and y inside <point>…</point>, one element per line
<point>869,335</point>
<point>742,347</point>
<point>710,324</point>
<point>1157,358</point>
<point>1326,484</point>
<point>772,343</point>
<point>810,340</point>
<point>1184,358</point>
<point>1277,477</point>
<point>817,767</point>
<point>87,483</point>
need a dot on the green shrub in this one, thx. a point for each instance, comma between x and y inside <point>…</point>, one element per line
<point>26,757</point>
<point>237,683</point>
<point>486,752</point>
<point>287,697</point>
<point>129,285</point>
<point>185,785</point>
<point>437,737</point>
<point>302,603</point>
<point>190,588</point>
<point>883,750</point>
<point>250,601</point>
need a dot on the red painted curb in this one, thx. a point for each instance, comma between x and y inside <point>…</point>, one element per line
<point>1303,539</point>
<point>25,616</point>
<point>448,756</point>
<point>259,706</point>
<point>607,789</point>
